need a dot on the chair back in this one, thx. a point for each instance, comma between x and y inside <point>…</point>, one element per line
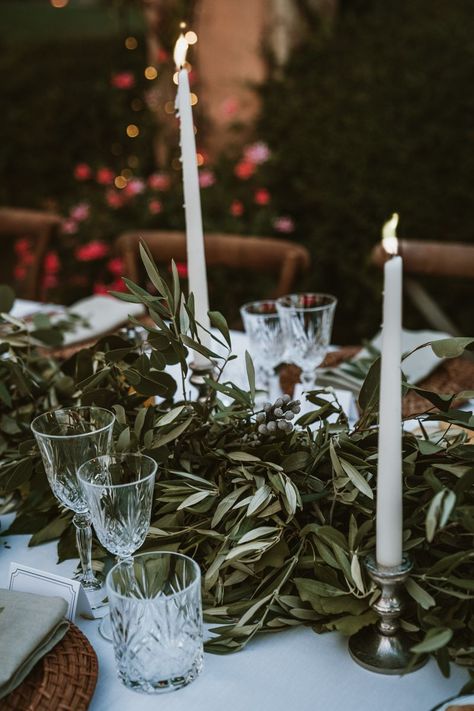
<point>283,258</point>
<point>39,227</point>
<point>443,259</point>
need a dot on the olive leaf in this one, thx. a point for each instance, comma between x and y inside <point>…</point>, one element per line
<point>7,298</point>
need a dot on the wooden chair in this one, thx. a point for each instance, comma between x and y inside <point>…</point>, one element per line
<point>281,257</point>
<point>40,228</point>
<point>443,259</point>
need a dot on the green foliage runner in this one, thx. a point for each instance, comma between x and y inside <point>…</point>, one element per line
<point>278,518</point>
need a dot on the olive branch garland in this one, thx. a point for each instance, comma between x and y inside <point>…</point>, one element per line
<point>279,518</point>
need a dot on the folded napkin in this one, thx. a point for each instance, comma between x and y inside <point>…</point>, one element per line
<point>30,626</point>
<point>419,365</point>
<point>351,374</point>
<point>98,315</point>
<point>102,314</point>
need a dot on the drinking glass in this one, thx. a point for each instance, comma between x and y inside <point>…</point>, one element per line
<point>66,438</point>
<point>307,326</point>
<point>266,345</point>
<point>119,489</point>
<point>155,608</point>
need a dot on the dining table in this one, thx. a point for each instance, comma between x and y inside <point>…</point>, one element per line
<point>295,669</point>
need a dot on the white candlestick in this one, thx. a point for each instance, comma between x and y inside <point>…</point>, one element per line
<point>389,528</point>
<point>192,206</point>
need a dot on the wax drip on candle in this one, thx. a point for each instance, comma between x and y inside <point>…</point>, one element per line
<point>389,235</point>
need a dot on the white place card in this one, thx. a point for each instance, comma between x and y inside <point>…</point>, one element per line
<point>22,578</point>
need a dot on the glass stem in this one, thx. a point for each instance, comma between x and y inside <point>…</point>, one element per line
<point>307,379</point>
<point>82,523</point>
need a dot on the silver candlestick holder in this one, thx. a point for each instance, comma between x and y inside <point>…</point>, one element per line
<point>198,379</point>
<point>384,647</point>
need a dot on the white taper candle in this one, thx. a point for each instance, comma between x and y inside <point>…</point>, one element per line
<point>389,522</point>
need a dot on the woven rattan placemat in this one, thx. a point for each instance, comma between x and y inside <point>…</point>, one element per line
<point>64,679</point>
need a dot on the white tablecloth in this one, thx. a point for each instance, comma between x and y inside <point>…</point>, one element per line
<point>296,669</point>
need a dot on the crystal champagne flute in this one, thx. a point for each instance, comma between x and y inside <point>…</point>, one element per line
<point>119,491</point>
<point>66,438</point>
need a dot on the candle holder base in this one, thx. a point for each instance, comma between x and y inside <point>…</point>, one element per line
<point>198,379</point>
<point>384,647</point>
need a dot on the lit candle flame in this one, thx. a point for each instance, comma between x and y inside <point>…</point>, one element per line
<point>180,50</point>
<point>389,235</point>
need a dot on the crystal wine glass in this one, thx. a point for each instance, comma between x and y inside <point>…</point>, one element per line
<point>307,326</point>
<point>119,491</point>
<point>66,439</point>
<point>266,344</point>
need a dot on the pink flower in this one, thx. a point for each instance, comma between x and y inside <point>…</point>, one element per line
<point>117,285</point>
<point>162,55</point>
<point>114,199</point>
<point>262,196</point>
<point>50,281</point>
<point>19,273</point>
<point>82,171</point>
<point>103,289</point>
<point>182,269</point>
<point>51,263</point>
<point>115,266</point>
<point>135,186</point>
<point>80,212</point>
<point>159,181</point>
<point>100,288</point>
<point>236,208</point>
<point>104,176</point>
<point>206,178</point>
<point>204,155</point>
<point>284,224</point>
<point>91,251</point>
<point>123,80</point>
<point>244,169</point>
<point>257,153</point>
<point>69,227</point>
<point>154,207</point>
<point>22,245</point>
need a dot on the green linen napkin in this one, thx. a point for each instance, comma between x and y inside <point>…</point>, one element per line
<point>30,626</point>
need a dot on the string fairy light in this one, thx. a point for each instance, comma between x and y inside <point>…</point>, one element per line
<point>120,182</point>
<point>132,130</point>
<point>131,42</point>
<point>191,37</point>
<point>150,73</point>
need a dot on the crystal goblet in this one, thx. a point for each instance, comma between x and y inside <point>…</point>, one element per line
<point>155,609</point>
<point>266,344</point>
<point>119,489</point>
<point>66,438</point>
<point>307,326</point>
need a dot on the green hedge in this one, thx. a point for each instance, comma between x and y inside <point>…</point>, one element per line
<point>60,110</point>
<point>377,118</point>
